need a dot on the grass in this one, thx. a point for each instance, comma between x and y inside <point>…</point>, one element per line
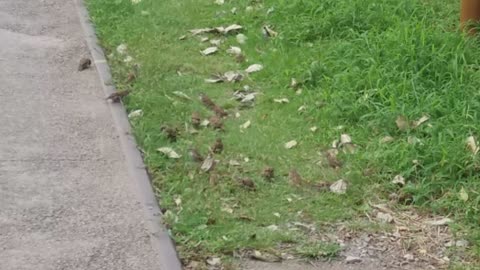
<point>363,63</point>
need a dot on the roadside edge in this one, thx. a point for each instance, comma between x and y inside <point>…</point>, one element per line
<point>159,237</point>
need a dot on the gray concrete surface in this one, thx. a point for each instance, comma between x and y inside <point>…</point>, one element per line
<point>66,197</point>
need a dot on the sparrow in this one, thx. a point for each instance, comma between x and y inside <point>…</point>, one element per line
<point>332,159</point>
<point>118,96</point>
<point>220,111</point>
<point>207,101</point>
<point>170,132</point>
<point>84,64</point>
<point>217,147</point>
<point>247,183</point>
<point>195,155</point>
<point>131,77</point>
<point>268,173</point>
<point>295,178</point>
<point>196,119</point>
<point>216,122</point>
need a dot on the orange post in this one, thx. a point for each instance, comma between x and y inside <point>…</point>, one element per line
<point>470,15</point>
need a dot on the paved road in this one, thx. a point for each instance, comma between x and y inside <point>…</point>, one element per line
<point>66,199</point>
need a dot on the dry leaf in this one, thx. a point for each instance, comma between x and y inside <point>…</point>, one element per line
<point>313,129</point>
<point>387,139</point>
<point>178,200</point>
<point>204,39</point>
<point>234,163</point>
<point>268,32</point>
<point>420,121</point>
<point>216,42</point>
<point>209,51</point>
<point>439,222</point>
<point>208,164</point>
<point>214,261</point>
<point>241,38</point>
<point>246,125</point>
<point>122,49</point>
<point>398,180</point>
<point>248,98</point>
<point>205,123</point>
<point>257,255</point>
<point>169,152</point>
<point>402,123</point>
<point>273,228</point>
<point>333,161</point>
<point>181,95</point>
<point>254,68</point>
<point>134,114</point>
<point>302,108</point>
<point>232,76</point>
<point>195,155</point>
<point>291,144</point>
<point>237,115</point>
<point>352,260</point>
<point>202,31</point>
<point>339,187</point>
<point>219,2</point>
<point>463,195</point>
<point>232,28</point>
<point>182,37</point>
<point>234,50</point>
<point>215,79</point>
<point>281,100</point>
<point>472,145</point>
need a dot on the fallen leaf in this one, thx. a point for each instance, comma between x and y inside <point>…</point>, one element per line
<point>264,257</point>
<point>352,259</point>
<point>180,94</point>
<point>332,158</point>
<point>462,243</point>
<point>302,108</point>
<point>234,163</point>
<point>268,32</point>
<point>246,125</point>
<point>277,215</point>
<point>169,152</point>
<point>270,10</point>
<point>439,222</point>
<point>345,139</point>
<point>273,228</point>
<point>178,200</point>
<point>182,37</point>
<point>254,68</point>
<point>233,28</point>
<point>291,144</point>
<point>313,129</point>
<point>420,121</point>
<point>237,115</point>
<point>414,140</point>
<point>214,261</point>
<point>233,10</point>
<point>241,38</point>
<point>472,145</point>
<point>227,210</point>
<point>402,123</point>
<point>409,257</point>
<point>232,76</point>
<point>234,50</point>
<point>398,180</point>
<point>387,139</point>
<point>339,187</point>
<point>122,49</point>
<point>128,59</point>
<point>216,42</point>
<point>294,83</point>
<point>281,100</point>
<point>215,79</point>
<point>135,114</point>
<point>384,217</point>
<point>219,2</point>
<point>205,123</point>
<point>195,155</point>
<point>202,31</point>
<point>208,164</point>
<point>463,195</point>
<point>248,98</point>
<point>209,51</point>
<point>204,39</point>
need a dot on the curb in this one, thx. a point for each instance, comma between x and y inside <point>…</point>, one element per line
<point>159,237</point>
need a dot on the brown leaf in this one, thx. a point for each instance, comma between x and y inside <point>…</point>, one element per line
<point>118,96</point>
<point>196,119</point>
<point>213,179</point>
<point>212,106</point>
<point>291,144</point>
<point>217,147</point>
<point>209,51</point>
<point>268,173</point>
<point>295,178</point>
<point>169,152</point>
<point>268,32</point>
<point>339,187</point>
<point>402,123</point>
<point>131,77</point>
<point>254,68</point>
<point>264,257</point>
<point>420,121</point>
<point>248,183</point>
<point>208,164</point>
<point>84,63</point>
<point>387,139</point>
<point>332,158</point>
<point>472,145</point>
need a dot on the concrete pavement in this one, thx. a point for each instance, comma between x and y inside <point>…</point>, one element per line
<point>67,197</point>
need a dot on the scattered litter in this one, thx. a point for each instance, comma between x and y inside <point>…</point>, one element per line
<point>313,129</point>
<point>339,187</point>
<point>209,51</point>
<point>291,144</point>
<point>398,180</point>
<point>122,49</point>
<point>169,152</point>
<point>246,125</point>
<point>254,68</point>
<point>214,261</point>
<point>402,123</point>
<point>234,50</point>
<point>420,121</point>
<point>281,100</point>
<point>135,114</point>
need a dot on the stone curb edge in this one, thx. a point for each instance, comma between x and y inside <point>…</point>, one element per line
<point>159,237</point>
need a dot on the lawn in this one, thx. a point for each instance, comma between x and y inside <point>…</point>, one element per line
<point>369,91</point>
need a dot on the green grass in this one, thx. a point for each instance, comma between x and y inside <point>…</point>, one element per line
<point>363,63</point>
